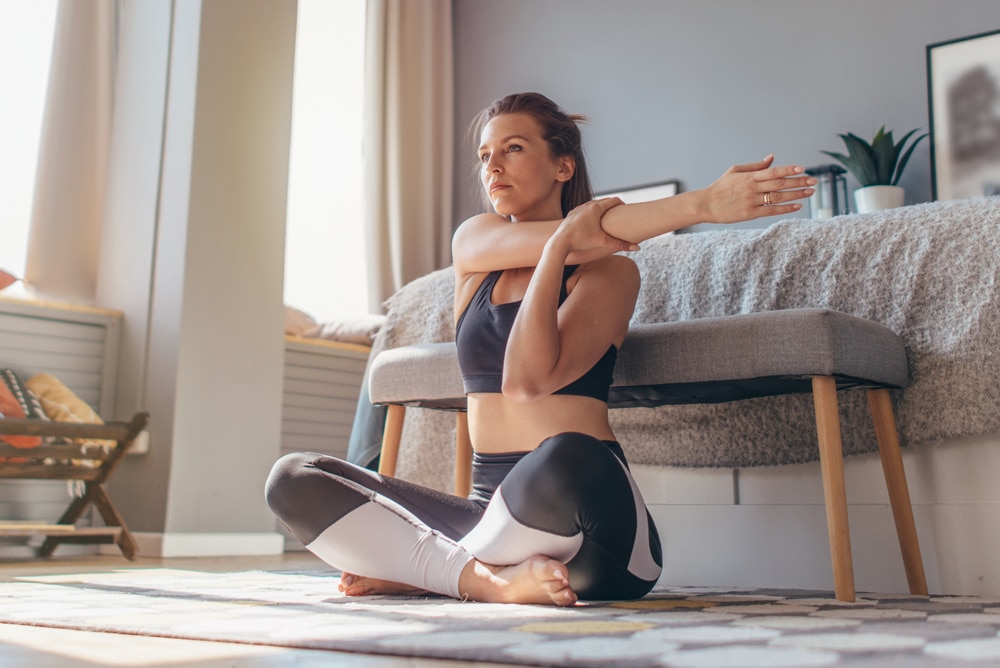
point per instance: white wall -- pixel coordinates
(128, 242)
(684, 88)
(766, 527)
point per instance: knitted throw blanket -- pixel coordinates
(928, 272)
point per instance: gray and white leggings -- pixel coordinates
(571, 499)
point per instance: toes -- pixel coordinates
(555, 580)
(358, 590)
(352, 585)
(553, 573)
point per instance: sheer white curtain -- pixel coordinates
(408, 142)
(64, 240)
(408, 139)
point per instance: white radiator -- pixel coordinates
(321, 386)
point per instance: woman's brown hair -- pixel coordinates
(561, 131)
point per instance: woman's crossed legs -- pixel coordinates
(567, 520)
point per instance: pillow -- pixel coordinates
(361, 330)
(6, 279)
(62, 405)
(17, 401)
(297, 321)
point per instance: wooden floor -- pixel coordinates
(35, 647)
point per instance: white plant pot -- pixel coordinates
(878, 198)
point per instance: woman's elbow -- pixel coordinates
(521, 390)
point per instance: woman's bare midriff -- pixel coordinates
(498, 424)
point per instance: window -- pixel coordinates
(26, 32)
(324, 242)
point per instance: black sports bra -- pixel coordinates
(481, 337)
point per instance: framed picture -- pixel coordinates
(963, 89)
(644, 193)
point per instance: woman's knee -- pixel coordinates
(564, 471)
(308, 493)
(282, 491)
(574, 458)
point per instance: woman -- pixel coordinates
(543, 301)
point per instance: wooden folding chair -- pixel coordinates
(71, 461)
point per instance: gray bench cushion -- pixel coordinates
(709, 360)
(424, 374)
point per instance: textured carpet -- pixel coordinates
(698, 627)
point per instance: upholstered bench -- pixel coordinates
(713, 360)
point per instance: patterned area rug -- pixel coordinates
(696, 627)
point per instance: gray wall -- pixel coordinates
(684, 88)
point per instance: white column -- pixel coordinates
(194, 254)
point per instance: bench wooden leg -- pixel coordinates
(391, 436)
(831, 457)
(393, 433)
(463, 455)
(899, 494)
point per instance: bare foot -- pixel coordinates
(538, 580)
(357, 585)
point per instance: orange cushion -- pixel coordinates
(16, 401)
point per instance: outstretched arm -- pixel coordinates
(489, 242)
(736, 196)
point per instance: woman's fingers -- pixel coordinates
(588, 208)
(754, 166)
(779, 193)
(758, 189)
(784, 174)
(787, 183)
(777, 197)
(775, 210)
(582, 231)
(605, 204)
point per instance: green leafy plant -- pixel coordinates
(879, 163)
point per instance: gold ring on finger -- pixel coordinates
(767, 199)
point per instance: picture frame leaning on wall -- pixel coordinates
(644, 193)
(963, 92)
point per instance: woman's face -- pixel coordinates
(522, 178)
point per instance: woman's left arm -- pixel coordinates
(743, 192)
(550, 345)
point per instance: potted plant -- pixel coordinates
(877, 166)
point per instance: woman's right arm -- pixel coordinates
(490, 242)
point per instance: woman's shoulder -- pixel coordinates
(467, 237)
(481, 220)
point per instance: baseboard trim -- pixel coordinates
(165, 545)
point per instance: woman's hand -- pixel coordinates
(756, 190)
(581, 231)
